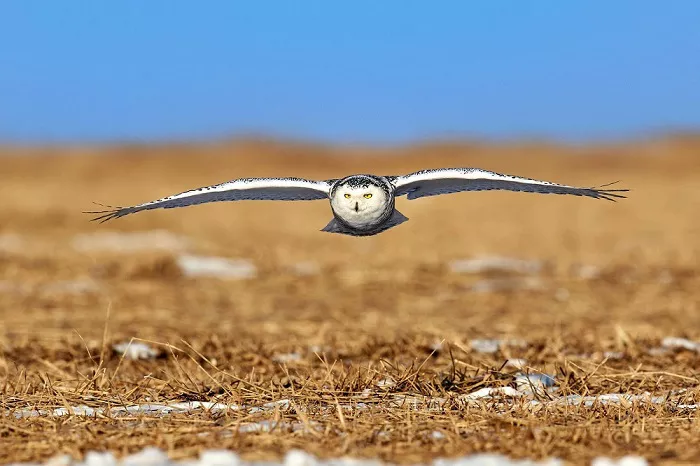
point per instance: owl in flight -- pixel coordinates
(362, 205)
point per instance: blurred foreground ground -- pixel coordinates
(334, 331)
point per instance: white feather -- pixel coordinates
(274, 189)
(452, 180)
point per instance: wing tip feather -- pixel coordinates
(105, 215)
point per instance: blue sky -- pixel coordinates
(347, 71)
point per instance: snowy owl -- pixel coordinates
(362, 205)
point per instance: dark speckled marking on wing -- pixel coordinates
(281, 189)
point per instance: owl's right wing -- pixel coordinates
(273, 189)
(434, 182)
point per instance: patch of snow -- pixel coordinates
(607, 398)
(495, 264)
(515, 363)
(537, 380)
(152, 456)
(130, 242)
(485, 346)
(492, 345)
(149, 456)
(136, 350)
(387, 382)
(147, 408)
(436, 346)
(319, 349)
(300, 458)
(218, 267)
(587, 272)
(286, 357)
(59, 460)
(94, 458)
(219, 458)
(271, 406)
(624, 461)
(684, 343)
(494, 459)
(490, 392)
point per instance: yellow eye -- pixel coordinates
(368, 195)
(347, 196)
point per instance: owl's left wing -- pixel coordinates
(272, 189)
(452, 180)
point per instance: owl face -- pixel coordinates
(360, 202)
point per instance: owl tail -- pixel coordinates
(334, 226)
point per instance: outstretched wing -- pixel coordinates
(273, 189)
(452, 180)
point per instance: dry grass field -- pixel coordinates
(352, 346)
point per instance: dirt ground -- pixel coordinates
(333, 332)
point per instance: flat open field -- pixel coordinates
(367, 347)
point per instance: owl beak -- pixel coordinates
(357, 207)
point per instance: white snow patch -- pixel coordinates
(387, 382)
(94, 458)
(586, 272)
(149, 456)
(286, 357)
(59, 460)
(624, 461)
(136, 350)
(159, 240)
(684, 343)
(515, 363)
(147, 408)
(218, 267)
(623, 399)
(319, 349)
(152, 456)
(492, 345)
(539, 380)
(490, 392)
(494, 459)
(271, 406)
(218, 458)
(495, 264)
(613, 355)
